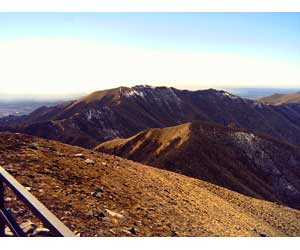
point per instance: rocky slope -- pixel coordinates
(123, 112)
(251, 164)
(101, 195)
(278, 99)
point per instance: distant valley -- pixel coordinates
(19, 108)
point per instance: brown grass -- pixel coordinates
(155, 202)
(278, 99)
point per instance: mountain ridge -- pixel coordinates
(252, 164)
(278, 99)
(123, 112)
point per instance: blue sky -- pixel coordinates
(255, 45)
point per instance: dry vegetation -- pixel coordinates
(248, 163)
(101, 195)
(278, 99)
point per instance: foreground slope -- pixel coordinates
(242, 161)
(123, 112)
(278, 99)
(109, 196)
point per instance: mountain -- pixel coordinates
(96, 194)
(123, 112)
(256, 93)
(278, 99)
(248, 163)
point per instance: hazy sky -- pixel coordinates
(70, 53)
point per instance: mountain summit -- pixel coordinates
(123, 112)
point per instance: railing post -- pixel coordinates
(2, 223)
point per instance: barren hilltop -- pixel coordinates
(96, 194)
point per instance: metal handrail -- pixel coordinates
(56, 227)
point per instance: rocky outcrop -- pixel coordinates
(30, 229)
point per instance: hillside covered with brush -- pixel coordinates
(248, 163)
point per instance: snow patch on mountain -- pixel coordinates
(257, 105)
(159, 95)
(89, 115)
(228, 95)
(242, 137)
(134, 92)
(98, 114)
(92, 113)
(258, 151)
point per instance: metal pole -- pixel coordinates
(2, 223)
(49, 219)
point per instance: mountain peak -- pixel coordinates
(117, 93)
(123, 111)
(99, 95)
